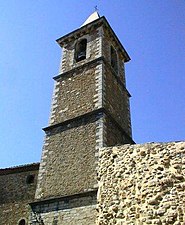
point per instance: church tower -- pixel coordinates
(90, 110)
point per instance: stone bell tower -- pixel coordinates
(90, 110)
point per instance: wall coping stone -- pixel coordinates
(65, 199)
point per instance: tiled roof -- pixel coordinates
(19, 169)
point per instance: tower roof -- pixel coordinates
(91, 18)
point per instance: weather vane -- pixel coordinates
(96, 8)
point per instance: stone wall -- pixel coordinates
(16, 192)
(142, 184)
(75, 94)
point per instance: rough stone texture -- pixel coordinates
(15, 193)
(142, 184)
(68, 163)
(73, 97)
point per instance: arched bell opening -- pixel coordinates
(80, 50)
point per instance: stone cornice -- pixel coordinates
(67, 198)
(77, 68)
(85, 118)
(87, 64)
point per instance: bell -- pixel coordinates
(81, 55)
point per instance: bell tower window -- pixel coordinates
(80, 51)
(114, 60)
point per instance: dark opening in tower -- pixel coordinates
(80, 50)
(114, 60)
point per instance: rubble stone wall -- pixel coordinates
(142, 184)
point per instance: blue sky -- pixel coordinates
(152, 32)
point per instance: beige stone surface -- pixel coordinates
(142, 184)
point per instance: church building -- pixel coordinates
(91, 171)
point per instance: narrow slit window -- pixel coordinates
(114, 60)
(80, 53)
